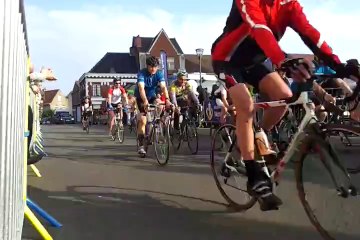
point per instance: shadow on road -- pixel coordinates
(137, 215)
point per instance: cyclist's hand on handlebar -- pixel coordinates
(329, 98)
(299, 69)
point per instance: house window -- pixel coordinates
(96, 90)
(59, 98)
(171, 63)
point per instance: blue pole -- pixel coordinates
(33, 206)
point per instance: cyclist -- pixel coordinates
(221, 97)
(86, 110)
(181, 94)
(145, 92)
(250, 36)
(132, 106)
(116, 95)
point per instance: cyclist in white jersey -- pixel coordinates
(116, 95)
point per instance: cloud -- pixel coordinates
(72, 41)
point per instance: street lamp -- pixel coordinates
(199, 53)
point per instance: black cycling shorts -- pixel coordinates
(251, 75)
(140, 103)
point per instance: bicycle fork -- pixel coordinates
(342, 191)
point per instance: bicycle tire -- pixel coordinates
(333, 127)
(113, 133)
(120, 134)
(192, 125)
(309, 143)
(167, 139)
(87, 128)
(233, 204)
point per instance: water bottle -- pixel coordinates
(262, 142)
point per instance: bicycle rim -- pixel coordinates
(346, 134)
(223, 184)
(87, 129)
(192, 134)
(120, 135)
(315, 144)
(161, 140)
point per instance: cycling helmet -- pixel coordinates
(152, 61)
(182, 74)
(115, 79)
(87, 97)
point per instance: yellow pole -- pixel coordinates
(37, 224)
(35, 170)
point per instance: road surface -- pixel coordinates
(99, 189)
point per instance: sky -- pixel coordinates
(71, 36)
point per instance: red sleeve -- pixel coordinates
(111, 91)
(310, 36)
(253, 15)
(122, 90)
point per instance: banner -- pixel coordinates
(163, 58)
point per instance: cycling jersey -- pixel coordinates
(180, 91)
(116, 94)
(254, 27)
(220, 91)
(86, 107)
(150, 82)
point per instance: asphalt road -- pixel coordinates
(100, 189)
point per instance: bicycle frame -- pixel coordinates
(309, 115)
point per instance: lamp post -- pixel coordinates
(199, 53)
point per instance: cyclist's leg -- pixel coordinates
(141, 123)
(266, 85)
(112, 119)
(258, 181)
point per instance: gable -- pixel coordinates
(49, 96)
(162, 42)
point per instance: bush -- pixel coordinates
(48, 113)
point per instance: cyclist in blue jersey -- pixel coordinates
(148, 80)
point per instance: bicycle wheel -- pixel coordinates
(228, 170)
(192, 138)
(161, 141)
(120, 135)
(316, 195)
(114, 132)
(340, 135)
(87, 128)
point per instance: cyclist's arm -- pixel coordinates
(318, 90)
(110, 96)
(224, 99)
(173, 95)
(161, 80)
(141, 86)
(192, 94)
(253, 16)
(124, 96)
(164, 89)
(311, 37)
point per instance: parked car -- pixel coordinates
(63, 117)
(45, 120)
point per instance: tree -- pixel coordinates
(48, 113)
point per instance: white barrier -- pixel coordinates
(13, 73)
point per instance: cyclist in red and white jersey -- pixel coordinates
(253, 29)
(116, 95)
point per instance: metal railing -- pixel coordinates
(13, 116)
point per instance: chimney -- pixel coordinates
(137, 41)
